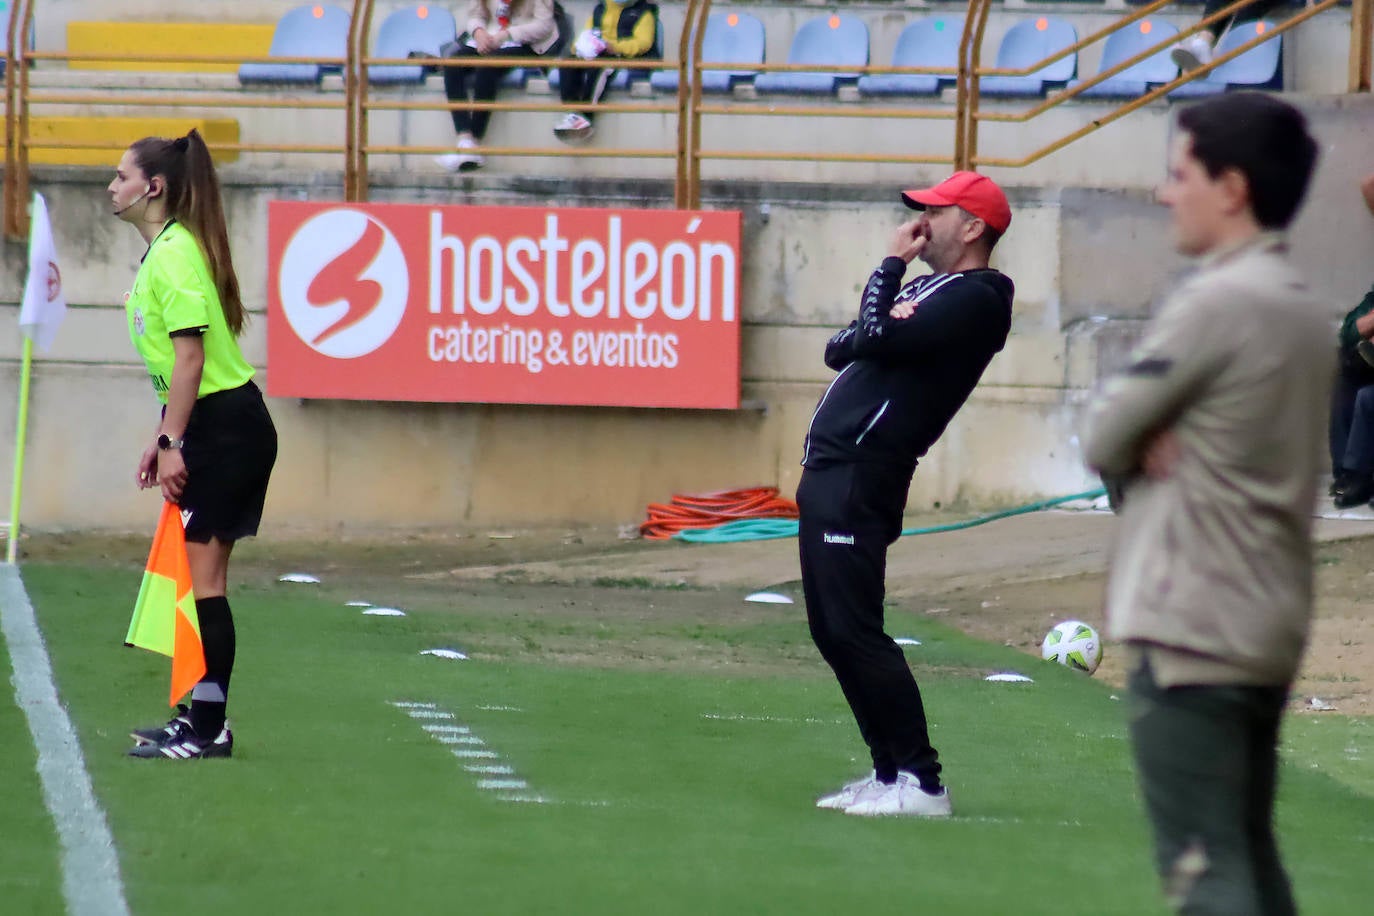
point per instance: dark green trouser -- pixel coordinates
(1207, 760)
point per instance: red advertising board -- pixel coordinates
(517, 305)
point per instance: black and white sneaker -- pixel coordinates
(156, 733)
(185, 744)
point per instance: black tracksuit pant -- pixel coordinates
(850, 515)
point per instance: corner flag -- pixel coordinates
(165, 618)
(44, 305)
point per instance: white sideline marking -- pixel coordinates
(527, 799)
(738, 718)
(91, 883)
(464, 745)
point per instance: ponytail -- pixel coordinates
(193, 199)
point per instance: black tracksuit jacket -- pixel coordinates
(901, 381)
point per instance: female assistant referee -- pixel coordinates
(214, 446)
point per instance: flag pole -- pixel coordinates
(21, 427)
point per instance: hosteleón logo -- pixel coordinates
(344, 283)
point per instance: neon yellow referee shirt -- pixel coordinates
(175, 291)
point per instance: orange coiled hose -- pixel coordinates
(707, 510)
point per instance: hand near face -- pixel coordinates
(909, 240)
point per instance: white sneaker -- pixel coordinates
(574, 128)
(903, 798)
(846, 796)
(465, 160)
(1192, 52)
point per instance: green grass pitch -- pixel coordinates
(674, 760)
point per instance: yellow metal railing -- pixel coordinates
(355, 145)
(974, 160)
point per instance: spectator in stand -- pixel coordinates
(1352, 401)
(499, 28)
(1196, 50)
(614, 30)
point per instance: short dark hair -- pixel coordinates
(1263, 138)
(990, 236)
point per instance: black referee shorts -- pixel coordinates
(230, 448)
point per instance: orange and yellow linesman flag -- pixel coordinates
(165, 614)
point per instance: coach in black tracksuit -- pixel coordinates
(906, 365)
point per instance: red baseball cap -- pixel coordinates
(978, 194)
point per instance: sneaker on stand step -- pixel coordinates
(1193, 52)
(845, 796)
(574, 128)
(465, 160)
(903, 798)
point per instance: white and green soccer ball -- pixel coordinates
(1073, 644)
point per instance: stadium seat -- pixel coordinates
(1029, 42)
(731, 38)
(306, 31)
(1259, 68)
(835, 40)
(932, 42)
(5, 34)
(416, 28)
(1135, 80)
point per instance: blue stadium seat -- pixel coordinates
(1259, 68)
(731, 38)
(415, 28)
(5, 34)
(1135, 80)
(306, 31)
(1028, 42)
(932, 42)
(834, 40)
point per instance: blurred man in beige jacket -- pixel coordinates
(1216, 426)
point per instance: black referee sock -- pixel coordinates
(211, 695)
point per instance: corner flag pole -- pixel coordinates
(21, 427)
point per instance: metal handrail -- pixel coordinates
(1126, 108)
(688, 107)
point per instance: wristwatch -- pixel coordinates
(165, 442)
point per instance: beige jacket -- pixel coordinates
(1212, 568)
(531, 21)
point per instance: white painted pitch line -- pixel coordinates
(784, 719)
(91, 882)
(496, 776)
